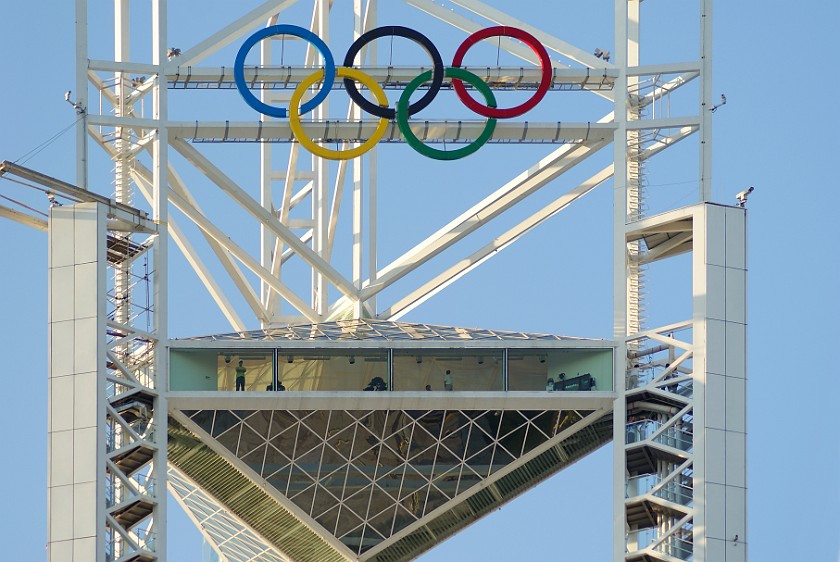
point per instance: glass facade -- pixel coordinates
(365, 475)
(399, 369)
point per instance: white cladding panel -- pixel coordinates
(77, 291)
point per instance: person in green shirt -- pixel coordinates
(240, 376)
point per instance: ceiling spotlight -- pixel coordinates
(352, 360)
(419, 359)
(172, 52)
(481, 360)
(542, 358)
(290, 359)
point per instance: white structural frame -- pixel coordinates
(680, 398)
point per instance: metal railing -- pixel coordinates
(677, 437)
(678, 490)
(678, 545)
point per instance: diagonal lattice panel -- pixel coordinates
(365, 476)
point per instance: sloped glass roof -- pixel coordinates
(380, 330)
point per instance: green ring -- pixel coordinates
(425, 150)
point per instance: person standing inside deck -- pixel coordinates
(240, 376)
(447, 380)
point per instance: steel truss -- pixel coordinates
(660, 483)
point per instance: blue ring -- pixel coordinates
(297, 31)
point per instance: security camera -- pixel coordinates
(67, 95)
(742, 197)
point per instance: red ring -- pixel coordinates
(503, 31)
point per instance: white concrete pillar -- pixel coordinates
(720, 271)
(76, 446)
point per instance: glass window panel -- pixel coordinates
(192, 369)
(501, 458)
(331, 460)
(343, 441)
(311, 460)
(304, 499)
(467, 480)
(362, 443)
(280, 479)
(391, 482)
(329, 519)
(380, 501)
(359, 501)
(399, 442)
(255, 459)
(281, 421)
(560, 369)
(306, 441)
(274, 461)
(244, 370)
(403, 519)
(260, 422)
(335, 481)
(340, 421)
(463, 369)
(435, 499)
(312, 370)
(224, 421)
(204, 419)
(384, 521)
(347, 521)
(414, 501)
(317, 422)
(248, 441)
(448, 483)
(299, 480)
(323, 501)
(356, 480)
(230, 438)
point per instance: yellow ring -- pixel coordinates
(323, 152)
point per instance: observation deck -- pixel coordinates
(374, 440)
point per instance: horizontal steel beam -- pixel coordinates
(390, 77)
(451, 132)
(409, 400)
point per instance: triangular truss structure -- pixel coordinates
(381, 484)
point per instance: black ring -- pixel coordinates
(398, 31)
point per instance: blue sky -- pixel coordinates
(778, 132)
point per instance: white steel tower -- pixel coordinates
(124, 397)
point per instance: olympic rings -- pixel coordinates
(403, 112)
(404, 109)
(503, 31)
(305, 34)
(398, 31)
(318, 150)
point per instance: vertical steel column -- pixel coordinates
(81, 93)
(706, 101)
(372, 14)
(358, 175)
(620, 263)
(122, 147)
(320, 189)
(160, 213)
(267, 239)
